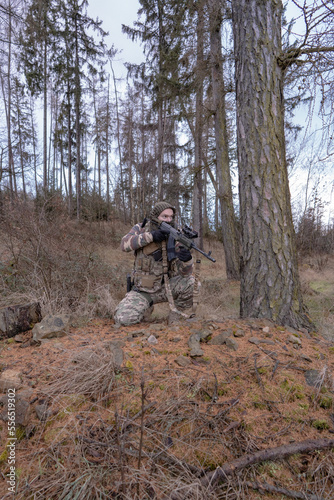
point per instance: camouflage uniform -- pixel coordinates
(149, 287)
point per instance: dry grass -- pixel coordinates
(56, 261)
(153, 432)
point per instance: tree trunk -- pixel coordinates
(198, 180)
(77, 120)
(225, 195)
(45, 122)
(107, 149)
(270, 286)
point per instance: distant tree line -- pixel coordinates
(218, 90)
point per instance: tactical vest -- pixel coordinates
(148, 267)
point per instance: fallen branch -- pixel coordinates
(262, 487)
(221, 474)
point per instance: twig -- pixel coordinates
(258, 378)
(282, 491)
(274, 369)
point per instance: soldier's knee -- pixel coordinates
(131, 309)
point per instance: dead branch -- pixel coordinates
(262, 487)
(222, 473)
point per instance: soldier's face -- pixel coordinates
(166, 215)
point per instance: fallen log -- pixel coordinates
(221, 474)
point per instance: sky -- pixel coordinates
(114, 13)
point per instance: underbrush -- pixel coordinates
(161, 433)
(56, 261)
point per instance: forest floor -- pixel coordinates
(160, 423)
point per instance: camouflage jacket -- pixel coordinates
(148, 267)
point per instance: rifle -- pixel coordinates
(184, 237)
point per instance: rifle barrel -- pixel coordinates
(205, 254)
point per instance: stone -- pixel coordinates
(52, 326)
(117, 353)
(194, 340)
(175, 317)
(152, 340)
(19, 318)
(42, 412)
(182, 361)
(254, 340)
(196, 351)
(266, 341)
(266, 329)
(221, 338)
(231, 343)
(312, 377)
(239, 333)
(19, 338)
(294, 340)
(21, 410)
(10, 379)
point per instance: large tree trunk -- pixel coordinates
(224, 184)
(270, 285)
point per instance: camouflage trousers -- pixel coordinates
(132, 308)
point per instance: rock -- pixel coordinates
(117, 352)
(152, 340)
(266, 329)
(294, 340)
(221, 338)
(42, 412)
(51, 327)
(292, 330)
(21, 410)
(196, 351)
(306, 358)
(312, 377)
(239, 333)
(175, 317)
(194, 340)
(10, 379)
(254, 340)
(19, 318)
(137, 333)
(231, 343)
(266, 341)
(182, 361)
(19, 338)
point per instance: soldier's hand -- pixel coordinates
(184, 254)
(159, 235)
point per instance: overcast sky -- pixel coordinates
(114, 13)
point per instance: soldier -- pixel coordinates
(146, 241)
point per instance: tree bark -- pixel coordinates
(229, 233)
(270, 286)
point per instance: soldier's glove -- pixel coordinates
(159, 236)
(184, 255)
